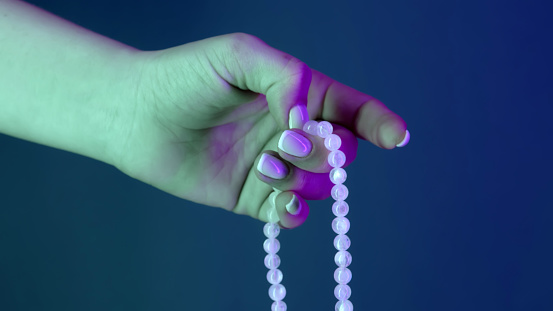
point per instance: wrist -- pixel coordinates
(117, 107)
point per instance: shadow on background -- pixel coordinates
(460, 219)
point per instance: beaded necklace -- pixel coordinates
(340, 225)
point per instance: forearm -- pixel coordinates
(60, 84)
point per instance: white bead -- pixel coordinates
(324, 129)
(339, 192)
(271, 230)
(277, 292)
(338, 175)
(342, 292)
(342, 259)
(340, 225)
(274, 276)
(278, 306)
(310, 127)
(272, 261)
(271, 246)
(336, 158)
(342, 275)
(340, 208)
(342, 242)
(344, 305)
(333, 142)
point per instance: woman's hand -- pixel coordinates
(200, 125)
(190, 120)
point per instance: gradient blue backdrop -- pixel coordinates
(460, 219)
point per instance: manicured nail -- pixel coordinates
(273, 195)
(272, 198)
(293, 207)
(272, 167)
(405, 140)
(272, 215)
(298, 116)
(294, 144)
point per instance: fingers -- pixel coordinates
(250, 64)
(292, 210)
(299, 169)
(362, 114)
(280, 174)
(301, 164)
(308, 152)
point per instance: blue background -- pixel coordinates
(460, 219)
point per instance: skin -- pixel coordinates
(191, 120)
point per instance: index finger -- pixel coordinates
(362, 114)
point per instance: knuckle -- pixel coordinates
(240, 40)
(239, 49)
(297, 70)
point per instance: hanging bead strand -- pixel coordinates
(277, 291)
(340, 208)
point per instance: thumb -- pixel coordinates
(251, 64)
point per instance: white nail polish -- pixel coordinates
(293, 207)
(298, 116)
(272, 214)
(272, 167)
(294, 144)
(272, 198)
(405, 139)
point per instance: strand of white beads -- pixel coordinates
(340, 208)
(277, 291)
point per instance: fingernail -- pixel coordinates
(293, 207)
(272, 167)
(294, 144)
(272, 199)
(405, 139)
(272, 215)
(298, 116)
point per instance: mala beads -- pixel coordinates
(277, 291)
(340, 209)
(340, 225)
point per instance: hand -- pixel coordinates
(201, 124)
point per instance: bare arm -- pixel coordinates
(60, 84)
